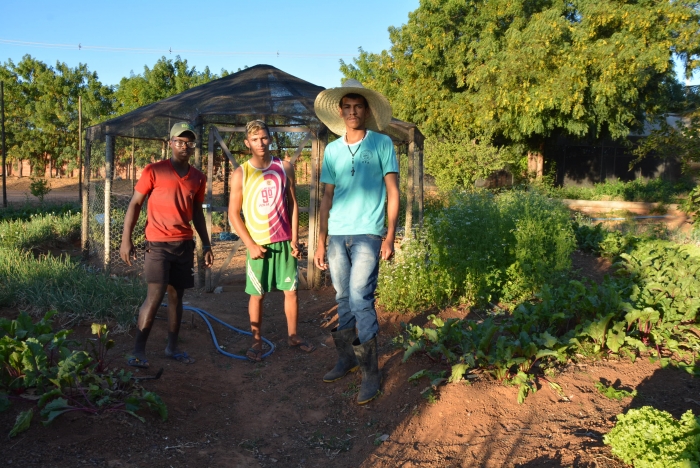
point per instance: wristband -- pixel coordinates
(206, 247)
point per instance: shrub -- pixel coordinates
(413, 280)
(480, 248)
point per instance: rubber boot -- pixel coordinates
(371, 377)
(347, 362)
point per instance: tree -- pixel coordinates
(43, 110)
(677, 140)
(165, 79)
(515, 72)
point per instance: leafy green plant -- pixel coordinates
(63, 379)
(691, 204)
(650, 438)
(614, 394)
(650, 305)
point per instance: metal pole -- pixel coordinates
(203, 276)
(109, 161)
(4, 148)
(80, 149)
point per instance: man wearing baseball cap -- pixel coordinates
(360, 173)
(175, 192)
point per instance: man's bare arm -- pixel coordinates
(391, 180)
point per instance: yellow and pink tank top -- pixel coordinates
(264, 203)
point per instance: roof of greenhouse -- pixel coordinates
(259, 92)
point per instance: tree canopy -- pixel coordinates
(165, 79)
(41, 105)
(516, 71)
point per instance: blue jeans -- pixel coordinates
(354, 265)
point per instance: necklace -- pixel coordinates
(353, 153)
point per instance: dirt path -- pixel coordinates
(230, 413)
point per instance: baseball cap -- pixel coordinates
(182, 127)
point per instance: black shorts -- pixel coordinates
(170, 263)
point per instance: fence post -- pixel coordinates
(318, 146)
(85, 227)
(4, 148)
(410, 183)
(420, 178)
(109, 163)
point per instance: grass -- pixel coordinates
(42, 283)
(39, 229)
(25, 212)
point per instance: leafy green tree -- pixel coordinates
(518, 72)
(165, 79)
(43, 110)
(679, 139)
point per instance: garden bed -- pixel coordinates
(225, 412)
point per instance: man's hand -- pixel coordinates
(208, 258)
(126, 251)
(387, 249)
(257, 252)
(296, 251)
(320, 257)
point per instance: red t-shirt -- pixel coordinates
(171, 200)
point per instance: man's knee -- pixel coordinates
(257, 298)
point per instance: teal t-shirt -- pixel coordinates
(359, 196)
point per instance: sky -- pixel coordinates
(304, 38)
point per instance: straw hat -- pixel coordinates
(327, 107)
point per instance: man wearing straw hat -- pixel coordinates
(360, 173)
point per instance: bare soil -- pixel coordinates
(225, 412)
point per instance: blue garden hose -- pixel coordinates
(206, 316)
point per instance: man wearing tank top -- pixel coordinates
(264, 188)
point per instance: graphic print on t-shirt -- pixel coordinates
(264, 206)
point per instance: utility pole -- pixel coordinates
(4, 148)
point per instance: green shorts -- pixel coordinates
(277, 271)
